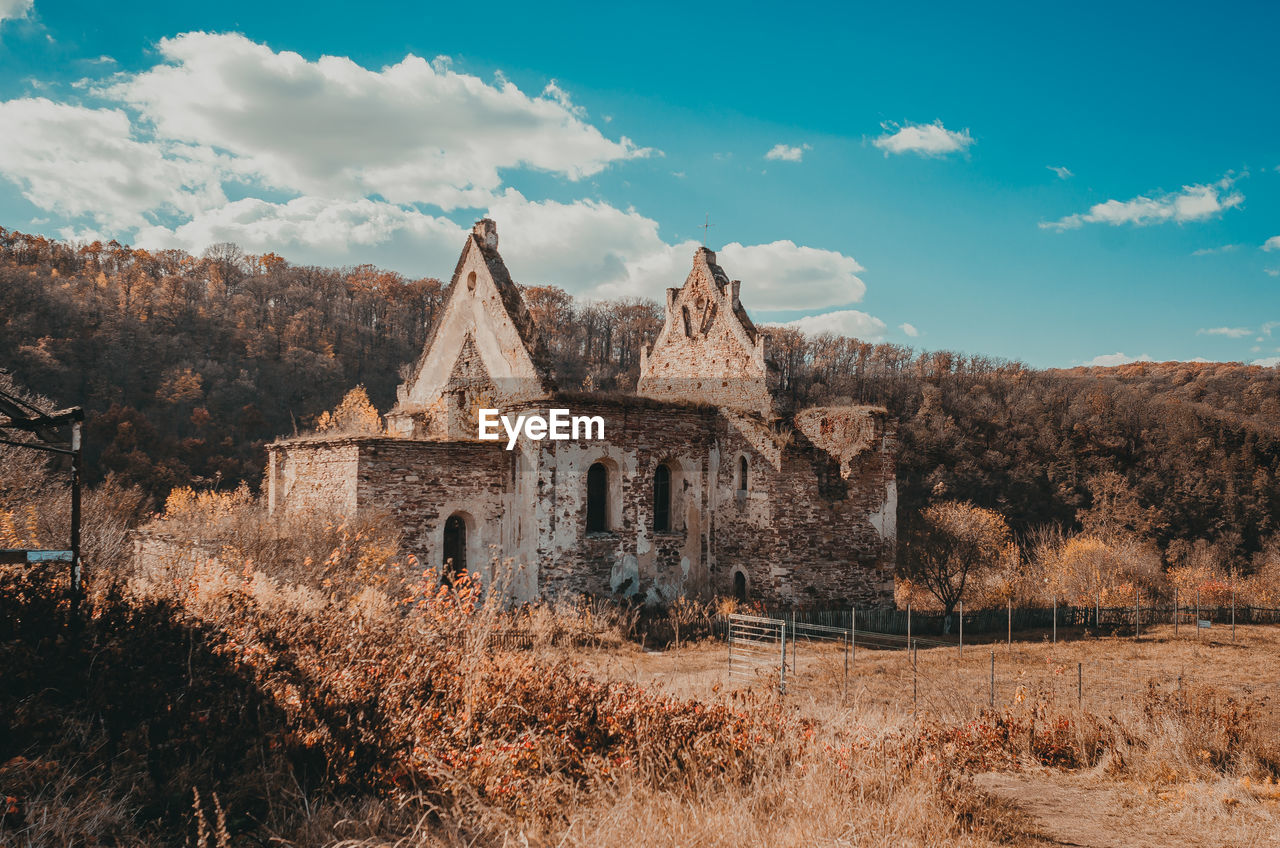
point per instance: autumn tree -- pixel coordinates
(1086, 569)
(354, 416)
(951, 545)
(1116, 510)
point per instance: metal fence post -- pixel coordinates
(793, 644)
(993, 680)
(1233, 606)
(1137, 614)
(782, 680)
(853, 639)
(845, 693)
(77, 570)
(1175, 610)
(1011, 624)
(915, 686)
(908, 626)
(1079, 684)
(961, 629)
(1055, 619)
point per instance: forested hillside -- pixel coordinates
(188, 365)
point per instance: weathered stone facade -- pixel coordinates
(700, 487)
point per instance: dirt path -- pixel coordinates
(1082, 812)
(1067, 814)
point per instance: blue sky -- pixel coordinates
(1060, 185)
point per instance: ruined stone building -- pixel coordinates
(703, 484)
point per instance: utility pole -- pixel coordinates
(77, 571)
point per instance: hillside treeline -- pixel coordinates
(189, 365)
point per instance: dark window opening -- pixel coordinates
(455, 548)
(740, 585)
(597, 499)
(662, 499)
(743, 471)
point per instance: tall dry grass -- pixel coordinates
(253, 694)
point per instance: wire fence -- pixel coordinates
(907, 622)
(811, 653)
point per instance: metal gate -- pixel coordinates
(757, 651)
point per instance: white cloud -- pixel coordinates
(344, 164)
(909, 330)
(1229, 332)
(1192, 203)
(785, 275)
(80, 161)
(599, 251)
(1111, 359)
(1063, 172)
(1271, 244)
(842, 322)
(1267, 362)
(784, 153)
(924, 139)
(1210, 251)
(412, 131)
(312, 230)
(1267, 327)
(14, 10)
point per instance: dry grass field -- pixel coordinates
(214, 705)
(1083, 678)
(1097, 673)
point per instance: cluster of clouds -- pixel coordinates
(226, 139)
(1262, 336)
(1192, 203)
(327, 161)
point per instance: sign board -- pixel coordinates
(1203, 623)
(10, 555)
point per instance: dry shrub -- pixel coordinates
(1193, 734)
(354, 416)
(233, 530)
(1084, 570)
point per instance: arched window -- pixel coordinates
(598, 498)
(455, 548)
(743, 471)
(740, 585)
(661, 499)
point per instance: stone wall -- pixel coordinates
(313, 475)
(814, 526)
(812, 529)
(423, 483)
(631, 559)
(707, 350)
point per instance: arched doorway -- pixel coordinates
(455, 548)
(739, 586)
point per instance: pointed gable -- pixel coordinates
(708, 349)
(483, 347)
